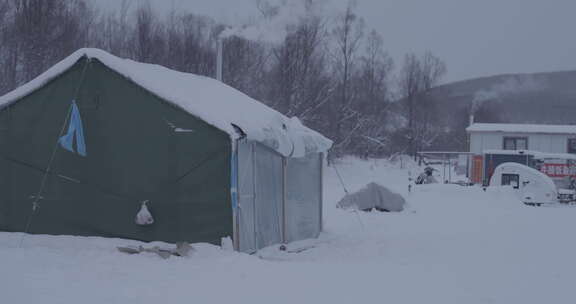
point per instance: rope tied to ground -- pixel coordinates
(38, 196)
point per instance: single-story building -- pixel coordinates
(495, 143)
(542, 138)
(96, 139)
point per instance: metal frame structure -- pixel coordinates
(446, 158)
(247, 220)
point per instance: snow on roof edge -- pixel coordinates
(40, 80)
(220, 106)
(522, 128)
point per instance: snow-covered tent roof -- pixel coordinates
(522, 128)
(208, 99)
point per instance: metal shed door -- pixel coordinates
(268, 184)
(303, 197)
(246, 222)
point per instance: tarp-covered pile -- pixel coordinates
(373, 196)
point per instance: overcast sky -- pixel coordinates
(474, 37)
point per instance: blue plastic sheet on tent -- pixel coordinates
(75, 131)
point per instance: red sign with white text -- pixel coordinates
(558, 170)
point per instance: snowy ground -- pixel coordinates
(453, 245)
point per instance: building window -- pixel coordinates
(515, 143)
(511, 180)
(572, 145)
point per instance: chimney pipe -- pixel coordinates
(219, 46)
(471, 119)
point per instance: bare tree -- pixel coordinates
(376, 69)
(373, 90)
(36, 34)
(244, 65)
(148, 34)
(8, 47)
(348, 32)
(417, 77)
(299, 67)
(38, 26)
(113, 30)
(198, 41)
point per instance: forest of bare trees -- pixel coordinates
(332, 72)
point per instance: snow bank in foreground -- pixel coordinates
(212, 101)
(451, 245)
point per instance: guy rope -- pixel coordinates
(38, 197)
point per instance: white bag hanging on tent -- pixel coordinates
(144, 217)
(226, 244)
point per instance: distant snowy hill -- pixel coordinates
(543, 98)
(518, 98)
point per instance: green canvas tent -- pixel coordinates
(210, 161)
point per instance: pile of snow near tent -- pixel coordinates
(373, 196)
